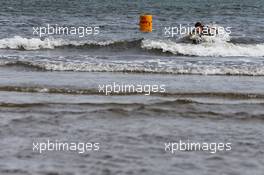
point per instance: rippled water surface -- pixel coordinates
(49, 88)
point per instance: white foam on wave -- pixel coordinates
(217, 49)
(18, 42)
(145, 67)
(181, 69)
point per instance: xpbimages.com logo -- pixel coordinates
(80, 31)
(205, 30)
(80, 147)
(116, 88)
(173, 147)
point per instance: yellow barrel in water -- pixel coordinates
(145, 23)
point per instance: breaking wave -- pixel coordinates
(143, 66)
(208, 49)
(222, 49)
(20, 43)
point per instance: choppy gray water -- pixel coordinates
(49, 88)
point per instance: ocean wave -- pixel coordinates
(112, 104)
(94, 91)
(143, 66)
(208, 49)
(222, 49)
(199, 109)
(20, 43)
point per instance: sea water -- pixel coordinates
(49, 88)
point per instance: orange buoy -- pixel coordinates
(145, 23)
